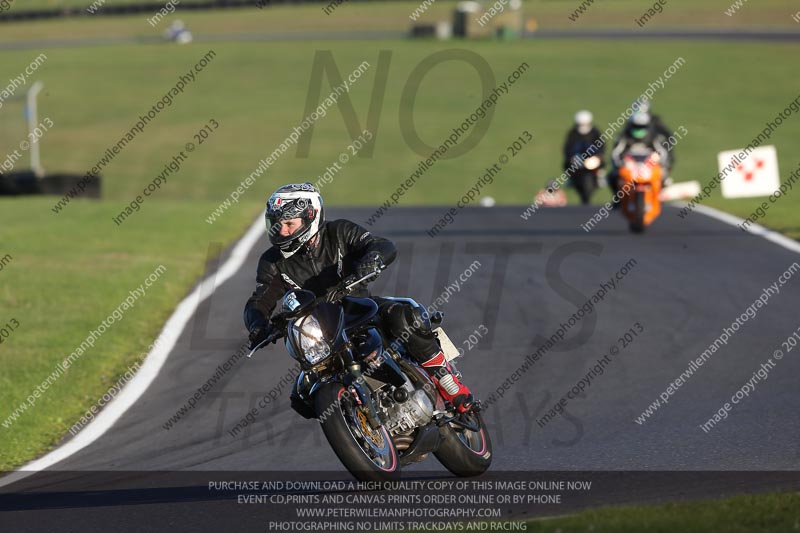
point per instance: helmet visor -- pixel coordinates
(281, 209)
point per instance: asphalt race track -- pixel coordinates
(682, 282)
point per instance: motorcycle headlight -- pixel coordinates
(592, 163)
(308, 336)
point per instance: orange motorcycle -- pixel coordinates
(640, 185)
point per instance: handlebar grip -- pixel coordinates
(275, 336)
(271, 338)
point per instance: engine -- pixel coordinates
(415, 411)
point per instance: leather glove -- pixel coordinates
(259, 333)
(371, 262)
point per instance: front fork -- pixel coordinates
(353, 381)
(357, 385)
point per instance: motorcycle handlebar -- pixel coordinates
(271, 338)
(369, 276)
(344, 288)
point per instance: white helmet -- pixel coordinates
(296, 200)
(583, 120)
(640, 118)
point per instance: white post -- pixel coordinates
(33, 123)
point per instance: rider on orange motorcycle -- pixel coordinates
(640, 132)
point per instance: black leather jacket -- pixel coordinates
(577, 144)
(653, 140)
(338, 247)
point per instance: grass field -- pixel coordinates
(95, 95)
(770, 513)
(70, 270)
(64, 279)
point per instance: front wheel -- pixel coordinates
(584, 183)
(638, 225)
(369, 454)
(465, 452)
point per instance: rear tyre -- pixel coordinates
(464, 452)
(368, 454)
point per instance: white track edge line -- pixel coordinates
(152, 365)
(754, 229)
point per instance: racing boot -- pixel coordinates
(448, 383)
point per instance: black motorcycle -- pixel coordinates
(378, 408)
(584, 177)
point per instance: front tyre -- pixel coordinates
(368, 454)
(585, 186)
(465, 452)
(638, 225)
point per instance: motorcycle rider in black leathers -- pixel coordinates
(580, 138)
(660, 128)
(311, 253)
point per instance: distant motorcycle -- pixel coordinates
(640, 184)
(584, 177)
(378, 408)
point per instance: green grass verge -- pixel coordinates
(65, 277)
(764, 513)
